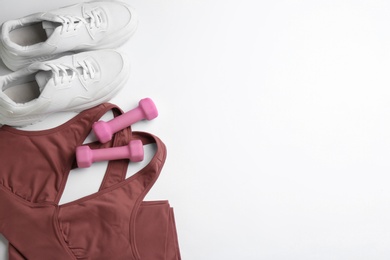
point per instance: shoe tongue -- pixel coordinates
(42, 77)
(49, 27)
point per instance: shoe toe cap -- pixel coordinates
(112, 64)
(121, 17)
(114, 70)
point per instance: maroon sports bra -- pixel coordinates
(113, 223)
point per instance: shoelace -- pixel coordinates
(70, 23)
(60, 71)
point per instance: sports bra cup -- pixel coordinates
(49, 153)
(99, 217)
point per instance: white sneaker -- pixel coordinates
(79, 27)
(70, 83)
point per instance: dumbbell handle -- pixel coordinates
(114, 153)
(126, 119)
(133, 151)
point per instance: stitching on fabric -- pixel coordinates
(24, 201)
(60, 236)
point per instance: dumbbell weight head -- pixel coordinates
(148, 108)
(136, 150)
(102, 131)
(84, 156)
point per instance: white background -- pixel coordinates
(276, 115)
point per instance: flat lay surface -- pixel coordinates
(276, 118)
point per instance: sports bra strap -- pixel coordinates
(117, 169)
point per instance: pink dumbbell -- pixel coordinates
(86, 156)
(104, 130)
